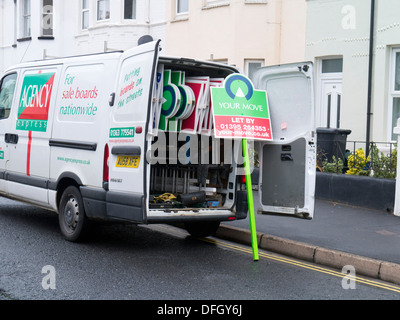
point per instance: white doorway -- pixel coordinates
(331, 97)
(329, 94)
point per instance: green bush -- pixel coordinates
(383, 166)
(336, 166)
(377, 164)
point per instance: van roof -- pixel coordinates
(61, 60)
(189, 65)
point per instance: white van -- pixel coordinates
(82, 136)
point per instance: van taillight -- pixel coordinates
(105, 164)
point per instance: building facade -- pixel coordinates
(245, 33)
(356, 90)
(41, 29)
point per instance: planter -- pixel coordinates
(361, 191)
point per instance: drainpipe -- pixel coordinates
(370, 72)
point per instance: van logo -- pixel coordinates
(33, 109)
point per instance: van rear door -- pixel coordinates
(129, 123)
(288, 163)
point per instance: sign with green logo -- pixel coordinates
(34, 103)
(240, 111)
(1, 155)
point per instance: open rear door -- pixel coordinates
(288, 163)
(129, 121)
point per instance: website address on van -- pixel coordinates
(76, 161)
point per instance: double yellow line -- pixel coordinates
(358, 279)
(372, 283)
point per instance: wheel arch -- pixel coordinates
(64, 181)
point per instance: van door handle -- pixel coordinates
(286, 157)
(11, 138)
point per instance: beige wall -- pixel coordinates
(272, 30)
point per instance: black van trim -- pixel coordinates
(24, 179)
(70, 144)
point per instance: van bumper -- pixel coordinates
(108, 205)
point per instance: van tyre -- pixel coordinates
(202, 229)
(72, 218)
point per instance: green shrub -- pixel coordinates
(336, 166)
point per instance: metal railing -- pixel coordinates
(350, 158)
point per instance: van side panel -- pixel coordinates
(80, 120)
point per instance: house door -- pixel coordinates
(331, 100)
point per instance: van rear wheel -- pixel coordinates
(202, 229)
(72, 218)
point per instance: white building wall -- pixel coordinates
(342, 28)
(115, 33)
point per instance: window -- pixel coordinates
(85, 14)
(130, 9)
(103, 10)
(251, 66)
(26, 18)
(7, 86)
(397, 72)
(47, 18)
(332, 65)
(395, 92)
(182, 6)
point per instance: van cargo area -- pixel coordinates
(194, 174)
(176, 187)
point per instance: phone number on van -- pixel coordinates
(122, 132)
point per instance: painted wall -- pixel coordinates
(272, 30)
(342, 28)
(69, 38)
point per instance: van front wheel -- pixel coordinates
(72, 218)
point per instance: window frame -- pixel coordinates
(182, 13)
(84, 10)
(43, 16)
(98, 19)
(247, 63)
(26, 17)
(393, 93)
(134, 5)
(13, 94)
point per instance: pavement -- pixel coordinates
(337, 236)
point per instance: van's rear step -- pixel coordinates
(184, 215)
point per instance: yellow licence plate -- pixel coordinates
(128, 162)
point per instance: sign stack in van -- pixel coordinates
(129, 136)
